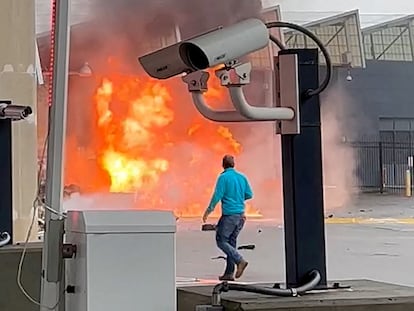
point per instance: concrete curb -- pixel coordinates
(368, 221)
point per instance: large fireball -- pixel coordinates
(150, 142)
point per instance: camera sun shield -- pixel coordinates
(164, 63)
(210, 49)
(225, 44)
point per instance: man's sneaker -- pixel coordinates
(241, 266)
(226, 277)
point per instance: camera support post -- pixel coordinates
(303, 203)
(6, 190)
(8, 114)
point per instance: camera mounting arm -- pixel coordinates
(197, 85)
(234, 78)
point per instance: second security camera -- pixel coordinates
(208, 50)
(13, 112)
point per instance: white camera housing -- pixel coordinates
(214, 48)
(225, 44)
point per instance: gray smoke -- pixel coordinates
(122, 30)
(338, 157)
(126, 27)
(155, 16)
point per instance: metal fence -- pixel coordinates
(382, 166)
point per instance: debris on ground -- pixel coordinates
(249, 247)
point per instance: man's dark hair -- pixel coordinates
(228, 161)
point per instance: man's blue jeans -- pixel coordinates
(227, 231)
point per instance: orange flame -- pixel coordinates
(151, 144)
(147, 111)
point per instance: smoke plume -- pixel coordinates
(115, 35)
(156, 16)
(338, 157)
(133, 27)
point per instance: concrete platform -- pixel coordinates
(364, 295)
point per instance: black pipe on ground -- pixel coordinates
(314, 278)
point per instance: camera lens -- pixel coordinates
(27, 111)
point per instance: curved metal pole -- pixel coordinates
(321, 46)
(216, 115)
(257, 113)
(4, 238)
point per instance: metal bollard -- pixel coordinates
(408, 183)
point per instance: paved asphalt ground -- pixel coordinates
(376, 206)
(380, 249)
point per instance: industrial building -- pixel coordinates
(375, 82)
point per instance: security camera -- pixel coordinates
(14, 112)
(217, 47)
